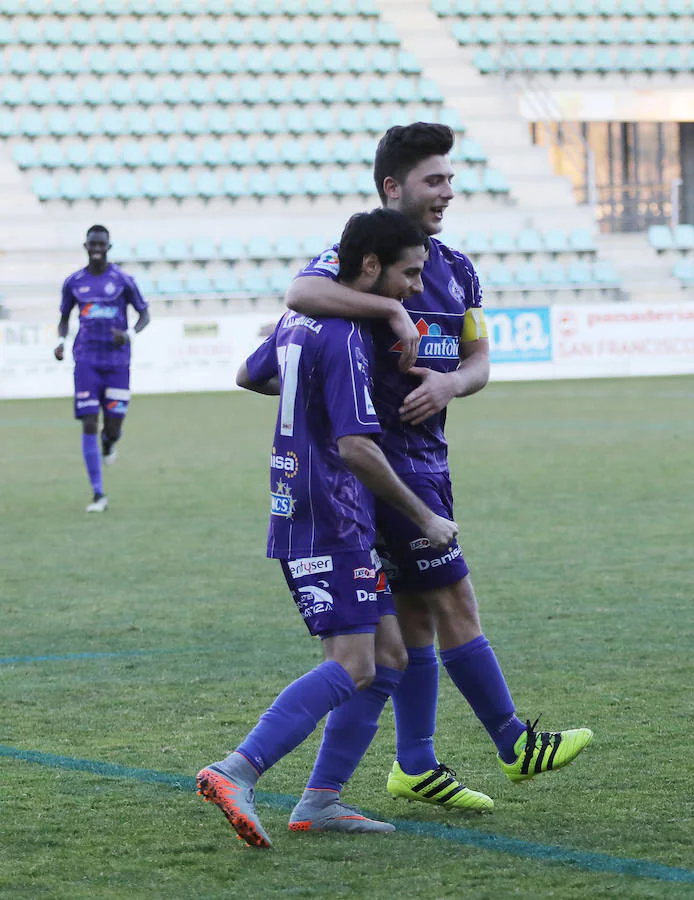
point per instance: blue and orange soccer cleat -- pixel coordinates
(324, 811)
(237, 801)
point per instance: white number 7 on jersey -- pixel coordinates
(288, 358)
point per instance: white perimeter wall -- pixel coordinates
(203, 354)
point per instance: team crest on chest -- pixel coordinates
(456, 291)
(110, 288)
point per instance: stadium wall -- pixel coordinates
(542, 342)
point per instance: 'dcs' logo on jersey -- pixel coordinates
(433, 344)
(456, 291)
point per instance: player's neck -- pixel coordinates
(97, 269)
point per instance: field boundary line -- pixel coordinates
(497, 843)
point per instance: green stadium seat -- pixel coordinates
(239, 153)
(133, 155)
(45, 188)
(231, 248)
(198, 284)
(315, 184)
(48, 62)
(152, 186)
(199, 91)
(660, 238)
(528, 241)
(499, 275)
(318, 153)
(579, 274)
(582, 241)
(679, 8)
(126, 187)
(552, 274)
(486, 62)
(78, 155)
(683, 270)
(475, 243)
(98, 187)
(468, 181)
(175, 250)
(207, 185)
(180, 186)
(683, 237)
(234, 185)
(9, 126)
(25, 156)
(604, 273)
(106, 156)
(495, 182)
(226, 284)
(170, 285)
(261, 185)
(527, 275)
(555, 241)
(255, 283)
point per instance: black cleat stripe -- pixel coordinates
(557, 741)
(450, 794)
(426, 782)
(544, 737)
(439, 787)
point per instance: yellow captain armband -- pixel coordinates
(474, 325)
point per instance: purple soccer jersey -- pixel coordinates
(102, 301)
(317, 505)
(451, 286)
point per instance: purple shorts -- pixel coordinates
(409, 562)
(97, 387)
(340, 593)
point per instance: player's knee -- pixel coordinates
(112, 427)
(394, 656)
(361, 671)
(90, 424)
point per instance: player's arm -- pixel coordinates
(135, 299)
(63, 328)
(438, 388)
(315, 295)
(269, 386)
(362, 456)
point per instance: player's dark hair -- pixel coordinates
(403, 147)
(383, 232)
(98, 228)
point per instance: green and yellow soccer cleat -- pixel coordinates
(544, 751)
(438, 786)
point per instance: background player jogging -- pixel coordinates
(433, 591)
(323, 465)
(101, 292)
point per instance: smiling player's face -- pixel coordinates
(425, 193)
(97, 247)
(404, 277)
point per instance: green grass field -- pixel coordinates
(171, 633)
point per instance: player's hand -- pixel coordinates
(404, 328)
(59, 352)
(434, 394)
(440, 532)
(120, 338)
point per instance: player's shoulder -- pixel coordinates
(75, 276)
(117, 272)
(455, 258)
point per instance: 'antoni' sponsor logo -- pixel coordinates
(363, 572)
(434, 344)
(420, 544)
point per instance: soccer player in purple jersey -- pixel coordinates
(433, 591)
(324, 465)
(101, 292)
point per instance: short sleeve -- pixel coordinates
(133, 295)
(262, 364)
(345, 370)
(67, 300)
(326, 265)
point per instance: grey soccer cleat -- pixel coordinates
(324, 811)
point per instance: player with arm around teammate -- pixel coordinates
(101, 292)
(433, 591)
(324, 465)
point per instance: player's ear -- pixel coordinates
(370, 265)
(391, 188)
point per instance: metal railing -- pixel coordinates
(633, 207)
